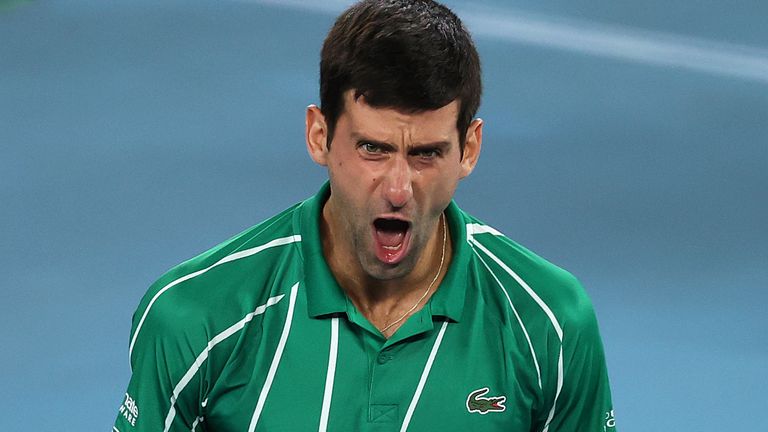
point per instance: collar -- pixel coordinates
(326, 298)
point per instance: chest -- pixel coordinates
(330, 374)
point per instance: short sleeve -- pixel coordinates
(584, 403)
(165, 386)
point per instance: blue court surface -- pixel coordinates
(625, 141)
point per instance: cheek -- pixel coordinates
(346, 165)
(350, 185)
(441, 182)
(437, 192)
(443, 197)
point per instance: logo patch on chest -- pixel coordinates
(483, 405)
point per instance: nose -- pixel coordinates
(398, 189)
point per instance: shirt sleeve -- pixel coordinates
(584, 402)
(165, 386)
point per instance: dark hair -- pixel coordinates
(411, 55)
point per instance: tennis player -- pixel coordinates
(377, 304)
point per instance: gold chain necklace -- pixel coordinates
(429, 288)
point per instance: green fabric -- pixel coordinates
(239, 338)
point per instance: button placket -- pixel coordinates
(384, 357)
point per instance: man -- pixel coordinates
(377, 304)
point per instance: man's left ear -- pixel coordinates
(472, 144)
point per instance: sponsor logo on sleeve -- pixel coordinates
(130, 410)
(610, 421)
(477, 403)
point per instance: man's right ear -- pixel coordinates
(316, 135)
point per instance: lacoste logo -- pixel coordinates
(479, 404)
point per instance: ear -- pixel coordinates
(472, 145)
(316, 135)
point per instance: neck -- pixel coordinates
(383, 301)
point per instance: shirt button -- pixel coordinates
(384, 357)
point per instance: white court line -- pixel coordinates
(593, 38)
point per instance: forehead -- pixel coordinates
(382, 122)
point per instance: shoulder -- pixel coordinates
(539, 287)
(549, 306)
(205, 294)
(273, 232)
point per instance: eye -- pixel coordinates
(370, 147)
(428, 154)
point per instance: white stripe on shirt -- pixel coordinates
(229, 258)
(203, 356)
(275, 360)
(328, 394)
(558, 329)
(423, 379)
(519, 320)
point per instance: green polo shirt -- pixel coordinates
(255, 334)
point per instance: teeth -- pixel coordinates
(392, 248)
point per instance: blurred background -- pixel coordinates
(625, 141)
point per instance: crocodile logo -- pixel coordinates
(479, 404)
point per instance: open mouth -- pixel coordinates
(392, 237)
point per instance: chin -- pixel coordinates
(381, 271)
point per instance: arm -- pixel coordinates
(584, 403)
(165, 385)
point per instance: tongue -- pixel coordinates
(390, 238)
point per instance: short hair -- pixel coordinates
(410, 55)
